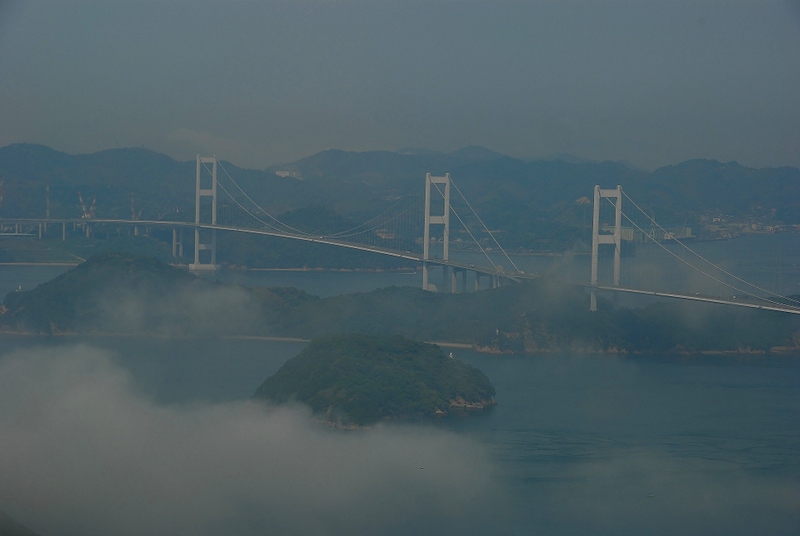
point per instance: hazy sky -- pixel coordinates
(259, 83)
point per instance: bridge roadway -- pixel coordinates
(407, 255)
(699, 298)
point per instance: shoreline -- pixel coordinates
(446, 344)
(235, 268)
(76, 335)
(774, 351)
(54, 263)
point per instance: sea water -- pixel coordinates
(579, 444)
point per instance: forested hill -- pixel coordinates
(115, 293)
(357, 379)
(107, 293)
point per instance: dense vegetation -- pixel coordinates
(119, 293)
(84, 299)
(537, 316)
(357, 379)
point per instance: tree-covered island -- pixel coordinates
(360, 380)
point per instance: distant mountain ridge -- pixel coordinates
(387, 166)
(528, 198)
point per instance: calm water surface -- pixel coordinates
(581, 444)
(646, 445)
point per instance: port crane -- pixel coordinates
(87, 214)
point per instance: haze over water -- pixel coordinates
(578, 444)
(126, 436)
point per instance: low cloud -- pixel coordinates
(194, 309)
(84, 452)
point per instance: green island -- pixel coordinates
(357, 380)
(118, 294)
(93, 296)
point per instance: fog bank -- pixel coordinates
(84, 452)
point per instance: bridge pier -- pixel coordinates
(454, 279)
(177, 242)
(455, 287)
(426, 282)
(210, 246)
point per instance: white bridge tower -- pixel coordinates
(443, 220)
(202, 218)
(598, 238)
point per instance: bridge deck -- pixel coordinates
(407, 255)
(699, 298)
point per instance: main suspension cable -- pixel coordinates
(276, 220)
(467, 229)
(687, 263)
(484, 226)
(701, 257)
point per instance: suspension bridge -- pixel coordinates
(222, 205)
(418, 229)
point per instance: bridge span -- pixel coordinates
(252, 219)
(698, 298)
(459, 268)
